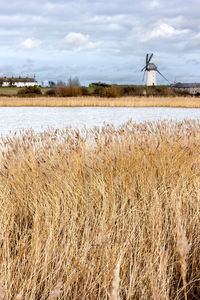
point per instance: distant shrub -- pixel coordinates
(51, 92)
(68, 91)
(65, 91)
(149, 91)
(100, 91)
(102, 84)
(85, 91)
(29, 91)
(113, 92)
(128, 91)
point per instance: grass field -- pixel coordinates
(8, 91)
(12, 91)
(98, 101)
(101, 214)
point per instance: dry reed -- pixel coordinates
(183, 248)
(192, 102)
(56, 292)
(2, 291)
(72, 202)
(19, 296)
(116, 282)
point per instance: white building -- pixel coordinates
(191, 88)
(17, 82)
(151, 74)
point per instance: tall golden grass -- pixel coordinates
(98, 101)
(101, 214)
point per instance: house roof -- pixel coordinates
(186, 85)
(13, 79)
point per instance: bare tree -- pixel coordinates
(73, 81)
(61, 83)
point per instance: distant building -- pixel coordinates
(17, 82)
(191, 88)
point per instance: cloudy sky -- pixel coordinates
(99, 40)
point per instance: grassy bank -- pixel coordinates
(99, 101)
(13, 91)
(110, 214)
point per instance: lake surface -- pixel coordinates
(40, 118)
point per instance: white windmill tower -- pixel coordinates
(151, 69)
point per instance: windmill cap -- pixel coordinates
(151, 66)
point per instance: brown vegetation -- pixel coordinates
(101, 214)
(193, 102)
(110, 92)
(114, 91)
(151, 91)
(65, 91)
(105, 90)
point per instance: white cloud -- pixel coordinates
(114, 26)
(7, 32)
(193, 42)
(78, 41)
(154, 4)
(196, 36)
(30, 43)
(107, 19)
(76, 68)
(164, 31)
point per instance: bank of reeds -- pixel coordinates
(101, 214)
(189, 102)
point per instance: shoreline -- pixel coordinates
(182, 102)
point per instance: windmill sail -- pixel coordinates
(163, 76)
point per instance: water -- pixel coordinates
(40, 118)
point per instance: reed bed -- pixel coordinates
(192, 102)
(109, 213)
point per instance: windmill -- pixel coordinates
(151, 69)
